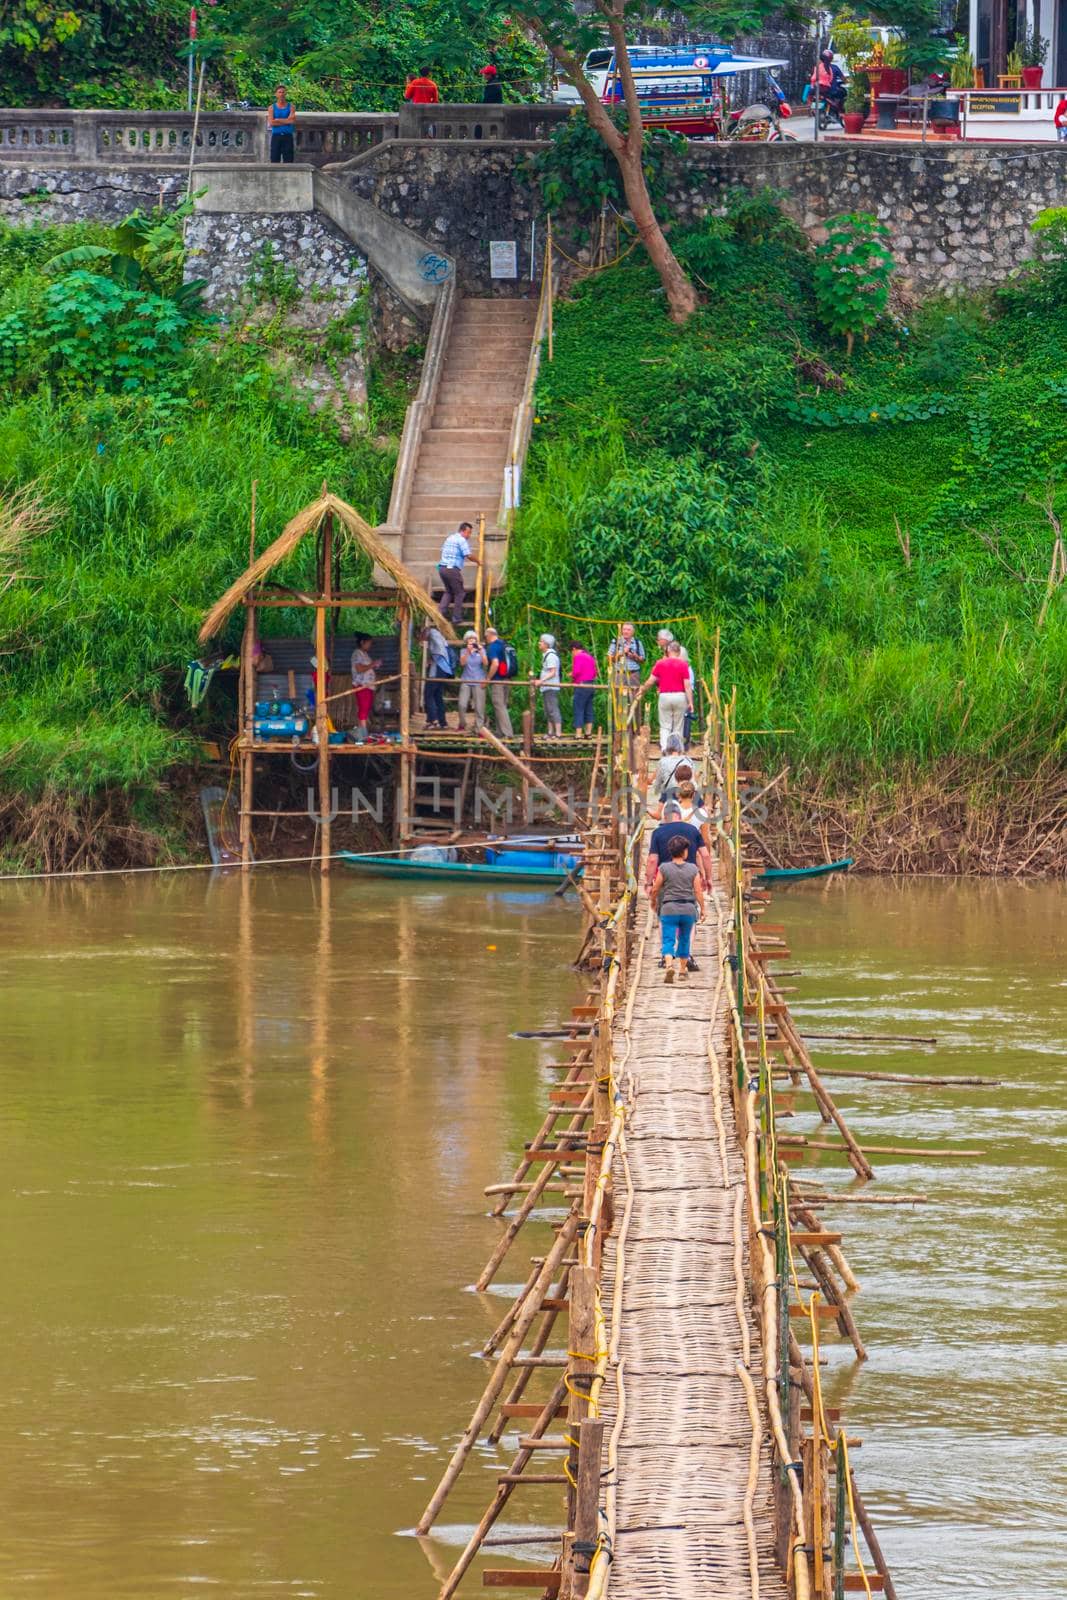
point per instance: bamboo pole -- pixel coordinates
(530, 1199)
(548, 273)
(528, 774)
(524, 1374)
(479, 577)
(503, 1494)
(404, 796)
(496, 1382)
(321, 713)
(245, 715)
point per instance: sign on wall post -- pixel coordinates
(996, 104)
(503, 258)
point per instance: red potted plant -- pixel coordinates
(855, 103)
(1033, 48)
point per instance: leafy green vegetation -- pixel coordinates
(873, 534)
(333, 58)
(141, 426)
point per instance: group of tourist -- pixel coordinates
(485, 669)
(678, 864)
(420, 89)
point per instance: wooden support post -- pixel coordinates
(581, 1546)
(321, 711)
(524, 1374)
(248, 779)
(530, 1199)
(498, 1379)
(245, 714)
(479, 578)
(834, 1297)
(404, 787)
(581, 1364)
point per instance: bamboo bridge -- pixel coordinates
(651, 1361)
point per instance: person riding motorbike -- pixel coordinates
(828, 82)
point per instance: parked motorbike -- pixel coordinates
(762, 121)
(830, 114)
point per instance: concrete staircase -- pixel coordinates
(459, 469)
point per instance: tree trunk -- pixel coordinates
(628, 150)
(681, 296)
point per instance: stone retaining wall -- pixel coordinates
(87, 193)
(959, 215)
(234, 251)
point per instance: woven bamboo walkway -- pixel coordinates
(686, 1436)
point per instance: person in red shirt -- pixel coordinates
(674, 680)
(422, 91)
(1059, 119)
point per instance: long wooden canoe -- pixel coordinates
(455, 871)
(779, 873)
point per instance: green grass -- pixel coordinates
(152, 495)
(916, 551)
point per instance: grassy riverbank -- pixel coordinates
(873, 536)
(138, 453)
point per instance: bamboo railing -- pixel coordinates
(579, 1154)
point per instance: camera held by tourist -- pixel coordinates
(473, 675)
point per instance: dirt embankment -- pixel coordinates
(950, 821)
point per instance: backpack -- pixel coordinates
(511, 661)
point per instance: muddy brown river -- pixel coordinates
(240, 1209)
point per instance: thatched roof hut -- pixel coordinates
(352, 526)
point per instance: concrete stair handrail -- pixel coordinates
(415, 269)
(419, 411)
(522, 419)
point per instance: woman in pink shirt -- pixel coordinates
(674, 680)
(583, 676)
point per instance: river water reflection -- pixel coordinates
(239, 1209)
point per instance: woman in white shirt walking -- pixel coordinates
(548, 683)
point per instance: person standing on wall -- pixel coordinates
(422, 91)
(454, 552)
(492, 91)
(673, 678)
(499, 672)
(281, 120)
